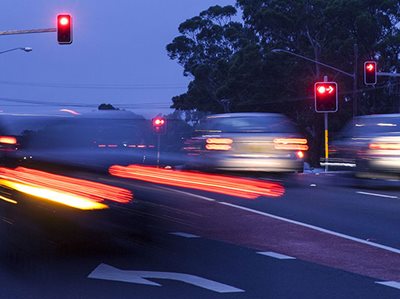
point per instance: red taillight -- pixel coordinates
(8, 140)
(219, 144)
(296, 144)
(384, 146)
(300, 154)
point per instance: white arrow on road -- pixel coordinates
(107, 272)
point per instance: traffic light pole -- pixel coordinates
(326, 141)
(326, 134)
(158, 149)
(28, 31)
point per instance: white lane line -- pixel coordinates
(186, 193)
(277, 255)
(376, 194)
(373, 244)
(395, 250)
(184, 235)
(392, 284)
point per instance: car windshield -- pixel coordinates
(247, 124)
(364, 127)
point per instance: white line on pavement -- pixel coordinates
(392, 284)
(277, 255)
(186, 193)
(376, 194)
(395, 250)
(184, 235)
(333, 233)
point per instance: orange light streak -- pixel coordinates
(240, 187)
(77, 193)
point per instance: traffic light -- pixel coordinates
(326, 96)
(370, 77)
(64, 29)
(159, 125)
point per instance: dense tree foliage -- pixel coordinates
(233, 67)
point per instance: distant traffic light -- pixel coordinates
(370, 77)
(64, 29)
(326, 96)
(159, 125)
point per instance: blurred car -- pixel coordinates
(255, 142)
(93, 140)
(369, 145)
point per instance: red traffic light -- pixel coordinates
(326, 97)
(159, 125)
(63, 21)
(158, 121)
(64, 29)
(370, 77)
(370, 67)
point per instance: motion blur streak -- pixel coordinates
(70, 200)
(8, 140)
(8, 199)
(77, 193)
(246, 188)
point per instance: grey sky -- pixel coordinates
(120, 42)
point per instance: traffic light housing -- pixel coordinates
(64, 29)
(370, 77)
(159, 125)
(326, 96)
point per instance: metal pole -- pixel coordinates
(326, 141)
(326, 134)
(158, 149)
(27, 31)
(355, 100)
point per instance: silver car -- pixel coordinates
(258, 142)
(369, 144)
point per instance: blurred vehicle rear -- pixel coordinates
(94, 140)
(369, 145)
(250, 142)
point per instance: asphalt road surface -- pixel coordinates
(326, 237)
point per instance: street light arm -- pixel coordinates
(26, 49)
(312, 60)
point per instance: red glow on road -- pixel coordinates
(77, 193)
(240, 187)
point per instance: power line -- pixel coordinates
(139, 86)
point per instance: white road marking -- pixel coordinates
(376, 194)
(186, 193)
(277, 255)
(392, 284)
(395, 250)
(184, 235)
(107, 272)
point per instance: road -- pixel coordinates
(325, 237)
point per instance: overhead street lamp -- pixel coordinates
(26, 49)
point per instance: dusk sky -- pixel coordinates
(118, 44)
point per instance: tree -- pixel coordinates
(107, 107)
(231, 62)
